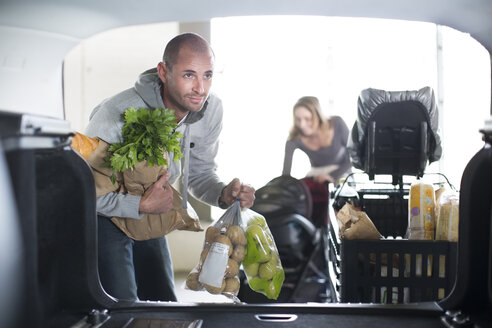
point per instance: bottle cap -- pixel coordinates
(487, 130)
(487, 126)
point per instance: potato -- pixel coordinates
(204, 254)
(211, 234)
(215, 290)
(192, 281)
(238, 253)
(236, 235)
(232, 285)
(223, 239)
(232, 268)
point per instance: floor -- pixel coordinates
(189, 296)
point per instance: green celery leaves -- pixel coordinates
(146, 135)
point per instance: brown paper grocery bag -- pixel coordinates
(356, 224)
(136, 182)
(158, 225)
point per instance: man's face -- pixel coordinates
(187, 84)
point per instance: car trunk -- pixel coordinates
(59, 286)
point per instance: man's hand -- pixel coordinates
(236, 190)
(158, 198)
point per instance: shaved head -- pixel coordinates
(192, 41)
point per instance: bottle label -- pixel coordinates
(215, 264)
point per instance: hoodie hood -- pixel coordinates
(148, 87)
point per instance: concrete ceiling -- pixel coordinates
(81, 19)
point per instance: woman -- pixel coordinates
(324, 141)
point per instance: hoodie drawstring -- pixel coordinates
(186, 166)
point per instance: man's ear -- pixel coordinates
(162, 71)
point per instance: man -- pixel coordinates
(132, 269)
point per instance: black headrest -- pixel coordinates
(373, 102)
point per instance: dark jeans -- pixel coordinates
(130, 269)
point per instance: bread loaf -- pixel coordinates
(447, 220)
(83, 144)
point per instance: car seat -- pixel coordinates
(396, 133)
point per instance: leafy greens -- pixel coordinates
(146, 135)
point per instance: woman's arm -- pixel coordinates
(290, 146)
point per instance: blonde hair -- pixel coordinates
(312, 104)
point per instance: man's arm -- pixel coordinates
(120, 205)
(158, 198)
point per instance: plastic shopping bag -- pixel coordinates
(262, 263)
(447, 216)
(223, 252)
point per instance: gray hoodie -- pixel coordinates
(199, 145)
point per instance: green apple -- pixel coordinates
(258, 284)
(269, 239)
(274, 260)
(258, 235)
(271, 291)
(252, 269)
(257, 220)
(267, 270)
(264, 253)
